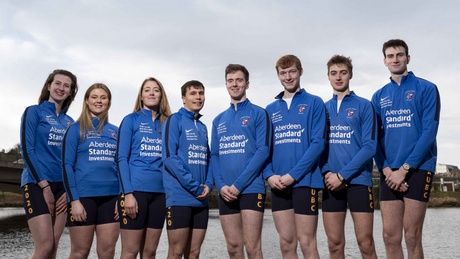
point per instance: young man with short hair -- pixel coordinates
(185, 176)
(408, 110)
(299, 128)
(240, 147)
(347, 163)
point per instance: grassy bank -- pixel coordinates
(10, 199)
(444, 199)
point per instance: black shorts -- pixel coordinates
(187, 217)
(34, 202)
(250, 201)
(419, 182)
(358, 197)
(304, 200)
(99, 210)
(151, 212)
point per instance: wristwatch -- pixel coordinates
(406, 167)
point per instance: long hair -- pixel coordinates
(45, 93)
(164, 110)
(85, 118)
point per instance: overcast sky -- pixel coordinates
(120, 43)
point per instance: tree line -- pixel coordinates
(11, 155)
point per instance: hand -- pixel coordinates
(333, 181)
(205, 192)
(275, 183)
(286, 180)
(131, 207)
(78, 211)
(61, 204)
(49, 199)
(387, 171)
(226, 194)
(47, 195)
(234, 191)
(395, 179)
(404, 187)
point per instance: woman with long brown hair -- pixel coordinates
(142, 202)
(42, 131)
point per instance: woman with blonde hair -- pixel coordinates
(90, 176)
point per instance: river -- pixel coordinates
(441, 237)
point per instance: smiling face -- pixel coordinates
(151, 95)
(98, 102)
(339, 76)
(396, 60)
(290, 78)
(59, 88)
(194, 98)
(236, 86)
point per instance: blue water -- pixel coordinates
(441, 237)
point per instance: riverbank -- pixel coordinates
(10, 199)
(444, 199)
(440, 237)
(437, 199)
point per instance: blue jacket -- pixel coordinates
(185, 160)
(139, 153)
(299, 136)
(240, 147)
(42, 132)
(352, 139)
(408, 116)
(89, 166)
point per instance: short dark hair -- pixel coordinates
(338, 59)
(190, 84)
(393, 44)
(232, 68)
